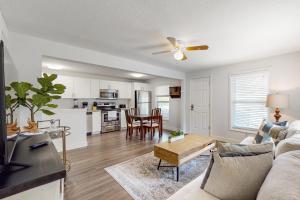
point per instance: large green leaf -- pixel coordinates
(40, 100)
(8, 101)
(50, 105)
(47, 112)
(21, 88)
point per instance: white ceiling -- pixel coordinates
(89, 69)
(235, 30)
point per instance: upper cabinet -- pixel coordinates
(67, 81)
(124, 88)
(95, 88)
(77, 87)
(82, 87)
(141, 86)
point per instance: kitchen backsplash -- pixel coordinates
(69, 103)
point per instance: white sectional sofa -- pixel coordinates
(287, 154)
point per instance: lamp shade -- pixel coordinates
(277, 101)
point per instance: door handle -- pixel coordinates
(192, 106)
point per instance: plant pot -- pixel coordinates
(173, 139)
(12, 129)
(31, 127)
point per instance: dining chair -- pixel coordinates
(156, 111)
(155, 122)
(134, 111)
(131, 125)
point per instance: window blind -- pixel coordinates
(163, 102)
(248, 97)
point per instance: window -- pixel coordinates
(248, 98)
(163, 102)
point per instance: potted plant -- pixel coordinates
(37, 98)
(175, 135)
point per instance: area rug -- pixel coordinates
(141, 179)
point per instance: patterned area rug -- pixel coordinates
(141, 179)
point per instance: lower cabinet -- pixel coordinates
(123, 120)
(96, 122)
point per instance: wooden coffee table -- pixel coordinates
(181, 151)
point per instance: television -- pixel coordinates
(8, 74)
(3, 135)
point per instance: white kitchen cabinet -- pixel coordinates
(124, 90)
(141, 86)
(67, 81)
(123, 120)
(82, 87)
(96, 122)
(104, 84)
(95, 88)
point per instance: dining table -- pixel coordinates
(143, 118)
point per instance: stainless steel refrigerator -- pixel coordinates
(143, 101)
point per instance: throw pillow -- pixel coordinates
(244, 171)
(242, 148)
(271, 132)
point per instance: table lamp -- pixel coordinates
(277, 101)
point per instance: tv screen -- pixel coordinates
(3, 136)
(8, 73)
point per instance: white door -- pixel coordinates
(199, 106)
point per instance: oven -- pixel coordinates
(109, 94)
(110, 120)
(110, 117)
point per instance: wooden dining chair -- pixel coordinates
(131, 125)
(134, 111)
(155, 122)
(156, 112)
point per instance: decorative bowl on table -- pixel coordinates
(175, 135)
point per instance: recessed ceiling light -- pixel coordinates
(55, 67)
(137, 75)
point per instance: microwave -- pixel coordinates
(109, 94)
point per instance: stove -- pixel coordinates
(110, 116)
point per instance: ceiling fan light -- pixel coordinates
(178, 55)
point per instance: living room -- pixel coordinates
(222, 105)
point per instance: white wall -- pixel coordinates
(27, 53)
(174, 122)
(284, 78)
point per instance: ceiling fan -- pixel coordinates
(180, 48)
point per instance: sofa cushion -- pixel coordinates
(192, 191)
(283, 180)
(243, 148)
(245, 172)
(290, 144)
(295, 125)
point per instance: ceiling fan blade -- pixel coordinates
(172, 40)
(161, 52)
(195, 48)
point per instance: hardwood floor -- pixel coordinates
(88, 180)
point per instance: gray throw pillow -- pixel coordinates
(236, 176)
(242, 148)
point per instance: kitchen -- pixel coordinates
(97, 97)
